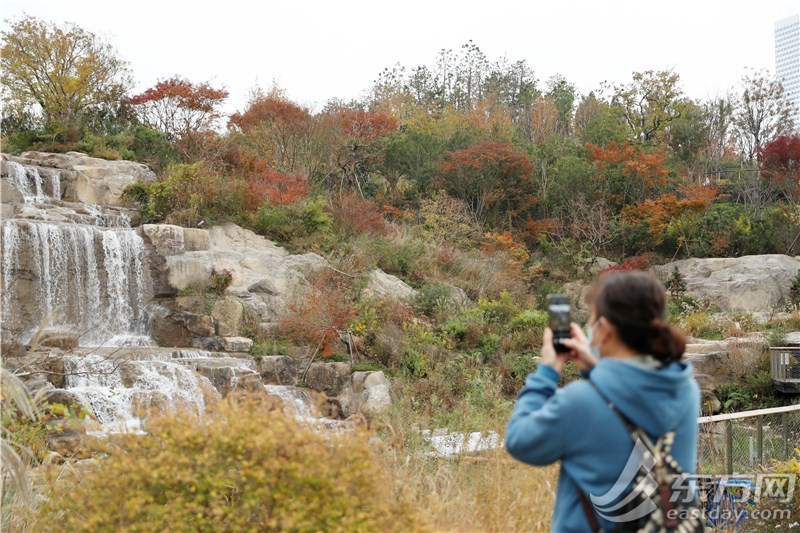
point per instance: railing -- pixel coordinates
(739, 443)
(785, 368)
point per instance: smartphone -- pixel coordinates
(559, 309)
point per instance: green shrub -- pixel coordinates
(152, 147)
(499, 310)
(676, 284)
(244, 467)
(529, 319)
(794, 290)
(189, 195)
(435, 298)
(545, 288)
(298, 221)
(700, 324)
(270, 346)
(400, 256)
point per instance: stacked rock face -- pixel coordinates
(122, 313)
(757, 284)
(69, 261)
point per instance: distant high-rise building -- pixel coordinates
(787, 61)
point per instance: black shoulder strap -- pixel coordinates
(588, 510)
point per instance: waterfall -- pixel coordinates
(82, 277)
(118, 391)
(30, 184)
(105, 220)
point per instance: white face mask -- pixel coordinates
(590, 337)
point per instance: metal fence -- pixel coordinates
(740, 443)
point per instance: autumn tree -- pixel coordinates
(761, 114)
(597, 122)
(687, 135)
(543, 120)
(412, 155)
(628, 173)
(63, 71)
(262, 183)
(648, 103)
(514, 85)
(672, 213)
(779, 161)
(493, 178)
(285, 134)
(176, 106)
(562, 94)
(358, 154)
(718, 118)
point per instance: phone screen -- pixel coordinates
(559, 317)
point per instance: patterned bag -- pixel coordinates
(660, 499)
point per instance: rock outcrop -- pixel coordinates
(264, 277)
(757, 284)
(718, 362)
(88, 180)
(383, 285)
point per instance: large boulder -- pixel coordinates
(719, 362)
(264, 277)
(227, 374)
(369, 395)
(383, 285)
(180, 329)
(330, 378)
(757, 284)
(229, 315)
(88, 179)
(279, 370)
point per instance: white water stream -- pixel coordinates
(82, 268)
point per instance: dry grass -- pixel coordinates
(488, 492)
(745, 355)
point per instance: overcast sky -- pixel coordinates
(318, 50)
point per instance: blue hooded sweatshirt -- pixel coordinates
(573, 424)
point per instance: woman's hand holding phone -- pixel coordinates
(549, 356)
(579, 350)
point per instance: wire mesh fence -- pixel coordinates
(739, 443)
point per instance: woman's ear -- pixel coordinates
(605, 329)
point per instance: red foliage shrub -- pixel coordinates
(780, 164)
(492, 177)
(353, 215)
(177, 106)
(641, 262)
(366, 126)
(323, 311)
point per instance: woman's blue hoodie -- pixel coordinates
(573, 424)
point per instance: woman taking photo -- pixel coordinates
(635, 381)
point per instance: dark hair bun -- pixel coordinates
(635, 303)
(668, 342)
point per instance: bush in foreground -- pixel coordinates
(243, 467)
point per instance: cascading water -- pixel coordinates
(90, 280)
(31, 185)
(119, 391)
(89, 276)
(83, 268)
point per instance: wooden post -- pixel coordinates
(729, 447)
(760, 440)
(785, 423)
